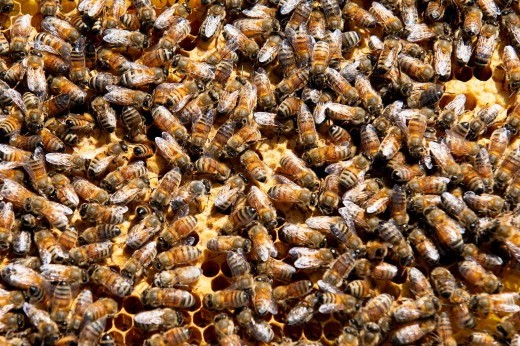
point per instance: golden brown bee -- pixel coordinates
(101, 80)
(60, 303)
(410, 333)
(410, 310)
(64, 86)
(209, 166)
(339, 269)
(112, 281)
(486, 44)
(173, 152)
(476, 275)
(444, 283)
(177, 255)
(125, 38)
(93, 212)
(448, 230)
(157, 319)
(374, 309)
(327, 154)
(345, 233)
(157, 57)
(262, 298)
(227, 299)
(254, 166)
(89, 192)
(41, 319)
(359, 16)
(20, 276)
(384, 17)
(288, 192)
(456, 207)
(166, 121)
(90, 252)
(128, 97)
(508, 326)
(328, 199)
(99, 233)
(488, 261)
(176, 231)
(262, 243)
(161, 196)
(266, 98)
(67, 273)
(21, 28)
(509, 165)
(512, 193)
(292, 83)
(294, 290)
(6, 224)
(64, 191)
(416, 68)
(276, 269)
(388, 56)
(263, 206)
(499, 140)
(177, 277)
(360, 288)
(56, 105)
(259, 330)
(138, 77)
(241, 140)
(351, 174)
(512, 67)
(295, 168)
(424, 246)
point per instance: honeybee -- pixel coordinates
(177, 255)
(178, 30)
(498, 142)
(99, 233)
(329, 153)
(374, 309)
(94, 212)
(369, 97)
(42, 321)
(398, 206)
(225, 329)
(89, 192)
(241, 140)
(166, 121)
(229, 243)
(176, 231)
(410, 333)
(388, 56)
(508, 325)
(486, 43)
(7, 220)
(21, 28)
(269, 51)
(476, 275)
(500, 303)
(190, 192)
(125, 38)
(510, 164)
(303, 311)
(328, 199)
(157, 319)
(295, 168)
(444, 283)
(226, 299)
(179, 276)
(276, 269)
(339, 269)
(246, 45)
(351, 174)
(288, 192)
(410, 310)
(459, 209)
(64, 273)
(112, 281)
(173, 152)
(359, 16)
(307, 258)
(209, 166)
(260, 330)
(424, 246)
(20, 276)
(128, 97)
(416, 68)
(448, 231)
(263, 206)
(384, 17)
(341, 86)
(62, 85)
(424, 95)
(442, 155)
(90, 252)
(48, 247)
(512, 67)
(262, 298)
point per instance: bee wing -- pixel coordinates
(150, 317)
(420, 32)
(22, 26)
(513, 250)
(91, 7)
(16, 97)
(163, 20)
(232, 31)
(44, 48)
(265, 119)
(457, 104)
(377, 205)
(440, 152)
(60, 208)
(117, 36)
(280, 179)
(60, 159)
(101, 164)
(287, 6)
(268, 52)
(258, 11)
(48, 24)
(330, 308)
(322, 222)
(12, 188)
(319, 113)
(337, 167)
(123, 195)
(210, 25)
(36, 81)
(325, 286)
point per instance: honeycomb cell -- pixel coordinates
(197, 304)
(210, 269)
(202, 318)
(332, 330)
(483, 74)
(132, 304)
(119, 338)
(313, 330)
(134, 337)
(196, 336)
(219, 283)
(210, 336)
(225, 269)
(464, 73)
(471, 102)
(123, 322)
(293, 332)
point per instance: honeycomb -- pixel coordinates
(482, 88)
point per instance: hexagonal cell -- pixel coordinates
(210, 269)
(293, 332)
(132, 304)
(119, 339)
(210, 336)
(332, 330)
(134, 337)
(483, 74)
(123, 321)
(313, 331)
(219, 283)
(197, 304)
(196, 336)
(225, 269)
(203, 317)
(464, 73)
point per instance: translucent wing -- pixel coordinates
(258, 11)
(420, 32)
(117, 36)
(150, 317)
(287, 6)
(210, 25)
(16, 97)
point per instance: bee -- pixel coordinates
(176, 231)
(339, 269)
(359, 16)
(266, 98)
(208, 165)
(512, 67)
(52, 44)
(173, 152)
(241, 140)
(442, 48)
(351, 174)
(411, 310)
(498, 142)
(329, 153)
(35, 75)
(269, 51)
(312, 258)
(213, 21)
(512, 193)
(489, 261)
(125, 38)
(448, 231)
(369, 97)
(91, 252)
(177, 32)
(158, 319)
(345, 232)
(178, 276)
(384, 17)
(328, 199)
(245, 44)
(190, 192)
(60, 303)
(459, 209)
(128, 97)
(442, 155)
(64, 191)
(399, 205)
(510, 21)
(20, 30)
(424, 95)
(94, 212)
(112, 281)
(167, 122)
(159, 57)
(292, 83)
(89, 192)
(415, 68)
(64, 273)
(99, 233)
(7, 220)
(486, 44)
(260, 330)
(508, 325)
(138, 77)
(388, 56)
(20, 276)
(341, 86)
(410, 333)
(424, 246)
(262, 244)
(161, 195)
(103, 307)
(62, 85)
(472, 21)
(105, 114)
(295, 168)
(226, 299)
(489, 8)
(300, 16)
(225, 329)
(374, 309)
(288, 192)
(296, 289)
(262, 298)
(42, 321)
(263, 207)
(510, 163)
(476, 275)
(175, 256)
(254, 166)
(101, 80)
(444, 283)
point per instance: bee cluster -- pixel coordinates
(291, 172)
